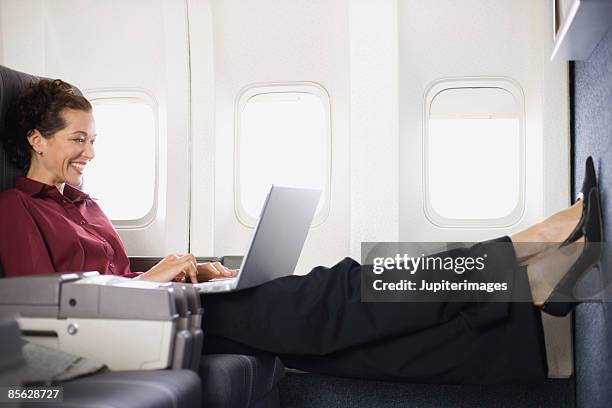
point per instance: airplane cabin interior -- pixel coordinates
(415, 121)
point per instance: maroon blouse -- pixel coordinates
(44, 231)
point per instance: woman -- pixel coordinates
(54, 137)
(315, 322)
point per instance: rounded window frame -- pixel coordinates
(503, 83)
(242, 99)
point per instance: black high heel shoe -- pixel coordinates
(557, 303)
(590, 181)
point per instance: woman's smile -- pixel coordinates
(79, 167)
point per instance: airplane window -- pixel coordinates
(474, 156)
(283, 138)
(122, 176)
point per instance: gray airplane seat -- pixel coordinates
(135, 325)
(127, 325)
(11, 83)
(237, 380)
(146, 389)
(102, 317)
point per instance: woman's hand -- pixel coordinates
(181, 268)
(214, 270)
(171, 267)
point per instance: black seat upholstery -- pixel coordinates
(11, 83)
(236, 380)
(134, 389)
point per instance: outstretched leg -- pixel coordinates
(322, 312)
(537, 248)
(318, 323)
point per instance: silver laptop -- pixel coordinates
(277, 241)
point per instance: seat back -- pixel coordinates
(11, 84)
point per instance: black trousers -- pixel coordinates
(318, 323)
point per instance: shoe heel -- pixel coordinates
(557, 303)
(589, 182)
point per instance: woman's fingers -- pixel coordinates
(212, 270)
(222, 270)
(189, 267)
(193, 270)
(218, 268)
(209, 271)
(179, 278)
(229, 272)
(170, 257)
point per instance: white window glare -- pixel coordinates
(473, 167)
(122, 176)
(283, 138)
(474, 154)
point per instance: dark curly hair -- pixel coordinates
(38, 107)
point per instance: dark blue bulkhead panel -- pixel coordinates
(592, 126)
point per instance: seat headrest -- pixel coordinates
(11, 84)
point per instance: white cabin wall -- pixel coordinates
(22, 28)
(555, 127)
(203, 146)
(245, 40)
(374, 123)
(281, 41)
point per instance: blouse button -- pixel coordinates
(111, 265)
(82, 222)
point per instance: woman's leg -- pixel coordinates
(544, 237)
(537, 248)
(511, 349)
(319, 323)
(322, 312)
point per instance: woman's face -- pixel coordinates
(66, 153)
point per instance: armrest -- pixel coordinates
(190, 310)
(97, 317)
(144, 263)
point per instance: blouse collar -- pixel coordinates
(36, 188)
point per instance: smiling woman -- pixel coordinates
(50, 137)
